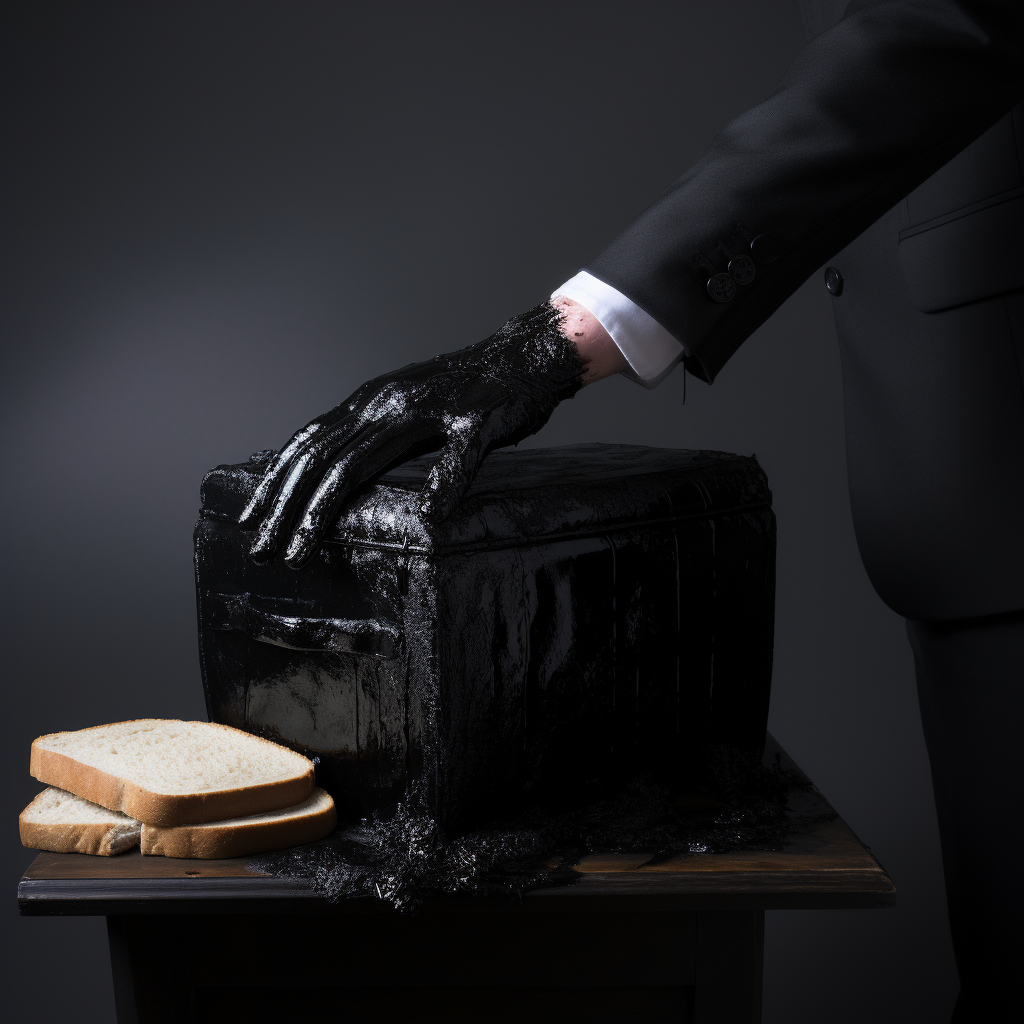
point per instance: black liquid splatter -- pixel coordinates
(406, 856)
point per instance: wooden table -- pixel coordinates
(203, 941)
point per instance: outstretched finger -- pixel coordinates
(274, 474)
(300, 478)
(365, 458)
(347, 417)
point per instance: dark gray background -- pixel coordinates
(225, 217)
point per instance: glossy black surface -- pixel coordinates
(586, 613)
(464, 403)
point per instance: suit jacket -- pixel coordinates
(893, 147)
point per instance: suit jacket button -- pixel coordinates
(834, 281)
(764, 249)
(742, 269)
(721, 287)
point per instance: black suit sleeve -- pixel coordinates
(866, 112)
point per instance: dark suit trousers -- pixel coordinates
(970, 679)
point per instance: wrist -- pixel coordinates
(601, 356)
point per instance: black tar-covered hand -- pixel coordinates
(464, 403)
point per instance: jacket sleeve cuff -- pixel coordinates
(652, 353)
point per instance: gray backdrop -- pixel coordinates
(225, 217)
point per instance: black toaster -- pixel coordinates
(587, 614)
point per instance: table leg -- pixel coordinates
(121, 969)
(150, 986)
(728, 967)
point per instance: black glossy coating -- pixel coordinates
(737, 803)
(586, 613)
(464, 403)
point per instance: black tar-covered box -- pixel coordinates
(587, 614)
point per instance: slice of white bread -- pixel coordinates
(167, 772)
(65, 823)
(239, 837)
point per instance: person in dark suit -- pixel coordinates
(892, 149)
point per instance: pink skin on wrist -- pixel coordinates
(597, 350)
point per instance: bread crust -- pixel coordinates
(99, 838)
(165, 809)
(238, 839)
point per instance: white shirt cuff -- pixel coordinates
(652, 353)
